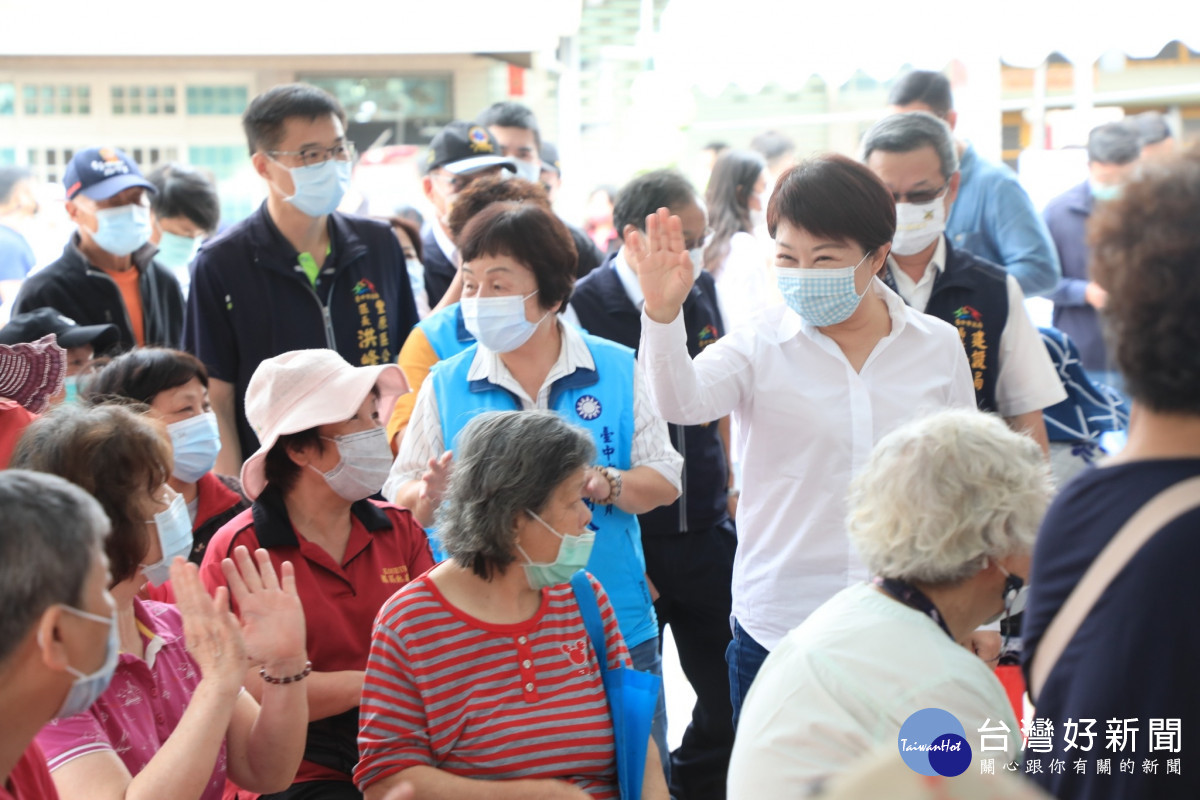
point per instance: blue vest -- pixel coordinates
(446, 332)
(601, 402)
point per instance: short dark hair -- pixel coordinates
(834, 197)
(926, 87)
(10, 177)
(482, 192)
(645, 194)
(1152, 128)
(185, 192)
(278, 468)
(1145, 251)
(266, 115)
(1114, 143)
(530, 234)
(507, 114)
(113, 453)
(142, 373)
(51, 533)
(411, 229)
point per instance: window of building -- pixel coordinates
(217, 99)
(8, 156)
(412, 107)
(139, 100)
(48, 99)
(8, 99)
(237, 186)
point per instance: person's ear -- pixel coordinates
(302, 455)
(628, 230)
(952, 118)
(53, 652)
(952, 190)
(259, 161)
(72, 209)
(880, 257)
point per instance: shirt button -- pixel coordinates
(521, 640)
(527, 663)
(529, 687)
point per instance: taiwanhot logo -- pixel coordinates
(933, 742)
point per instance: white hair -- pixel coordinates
(943, 493)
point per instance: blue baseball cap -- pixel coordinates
(101, 172)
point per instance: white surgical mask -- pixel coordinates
(174, 527)
(319, 188)
(123, 229)
(697, 257)
(918, 226)
(365, 460)
(499, 323)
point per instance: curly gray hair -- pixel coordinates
(942, 493)
(505, 462)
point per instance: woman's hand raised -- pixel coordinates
(661, 263)
(272, 618)
(210, 630)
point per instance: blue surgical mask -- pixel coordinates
(821, 297)
(197, 441)
(320, 187)
(573, 555)
(528, 170)
(499, 323)
(1105, 191)
(175, 251)
(87, 688)
(71, 389)
(174, 527)
(123, 229)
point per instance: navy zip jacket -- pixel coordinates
(605, 310)
(251, 300)
(86, 294)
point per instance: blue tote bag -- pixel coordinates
(632, 696)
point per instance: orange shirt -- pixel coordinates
(416, 358)
(131, 294)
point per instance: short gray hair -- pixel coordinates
(52, 533)
(504, 463)
(941, 494)
(903, 133)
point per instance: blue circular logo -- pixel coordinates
(933, 742)
(588, 407)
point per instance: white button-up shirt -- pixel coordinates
(808, 423)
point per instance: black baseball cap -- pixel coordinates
(101, 172)
(33, 325)
(464, 147)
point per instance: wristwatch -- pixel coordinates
(613, 476)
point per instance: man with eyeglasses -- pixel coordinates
(297, 273)
(915, 157)
(459, 153)
(994, 217)
(689, 544)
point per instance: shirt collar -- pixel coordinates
(936, 265)
(273, 526)
(791, 323)
(448, 247)
(629, 280)
(488, 366)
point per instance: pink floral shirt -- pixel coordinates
(142, 705)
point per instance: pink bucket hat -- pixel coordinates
(302, 389)
(30, 373)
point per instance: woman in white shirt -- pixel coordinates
(944, 514)
(812, 384)
(739, 263)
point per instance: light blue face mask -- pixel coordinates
(174, 536)
(71, 389)
(123, 229)
(320, 187)
(1105, 192)
(87, 688)
(175, 251)
(196, 441)
(821, 297)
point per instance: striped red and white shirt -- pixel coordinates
(485, 701)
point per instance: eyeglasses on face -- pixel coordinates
(310, 156)
(921, 196)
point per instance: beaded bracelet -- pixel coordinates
(262, 673)
(613, 476)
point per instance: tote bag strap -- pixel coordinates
(590, 609)
(1163, 508)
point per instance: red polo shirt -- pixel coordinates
(30, 778)
(386, 549)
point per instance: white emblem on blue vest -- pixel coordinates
(588, 407)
